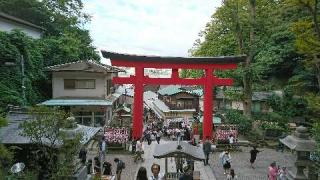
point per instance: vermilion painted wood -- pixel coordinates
(137, 125)
(209, 81)
(165, 65)
(207, 105)
(166, 81)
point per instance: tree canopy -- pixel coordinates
(63, 40)
(281, 38)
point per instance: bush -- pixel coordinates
(254, 136)
(271, 125)
(243, 123)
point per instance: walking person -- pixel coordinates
(156, 175)
(283, 173)
(273, 171)
(97, 166)
(103, 148)
(206, 149)
(232, 175)
(231, 140)
(158, 136)
(253, 155)
(83, 155)
(139, 151)
(107, 168)
(226, 161)
(134, 145)
(148, 137)
(120, 166)
(142, 174)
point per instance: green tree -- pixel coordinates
(262, 28)
(307, 31)
(5, 155)
(58, 150)
(63, 41)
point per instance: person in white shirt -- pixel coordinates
(139, 151)
(156, 175)
(231, 139)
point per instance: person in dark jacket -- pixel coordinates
(97, 163)
(134, 145)
(206, 149)
(83, 155)
(253, 156)
(107, 168)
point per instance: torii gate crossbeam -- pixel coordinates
(209, 64)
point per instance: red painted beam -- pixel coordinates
(124, 80)
(126, 63)
(222, 81)
(147, 80)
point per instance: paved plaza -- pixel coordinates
(240, 162)
(129, 173)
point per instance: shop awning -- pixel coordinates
(215, 119)
(77, 102)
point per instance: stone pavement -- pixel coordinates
(240, 163)
(206, 172)
(130, 172)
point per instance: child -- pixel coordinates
(283, 173)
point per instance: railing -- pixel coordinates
(252, 177)
(173, 176)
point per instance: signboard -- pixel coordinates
(116, 135)
(224, 131)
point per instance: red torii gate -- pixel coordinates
(209, 64)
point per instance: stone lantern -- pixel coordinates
(303, 145)
(70, 131)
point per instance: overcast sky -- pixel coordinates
(150, 27)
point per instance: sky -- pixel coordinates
(148, 27)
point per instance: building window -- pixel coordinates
(188, 104)
(109, 86)
(79, 84)
(179, 104)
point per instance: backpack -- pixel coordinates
(122, 165)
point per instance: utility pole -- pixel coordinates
(22, 82)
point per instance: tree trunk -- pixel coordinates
(238, 29)
(318, 73)
(247, 80)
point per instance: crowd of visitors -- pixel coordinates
(154, 131)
